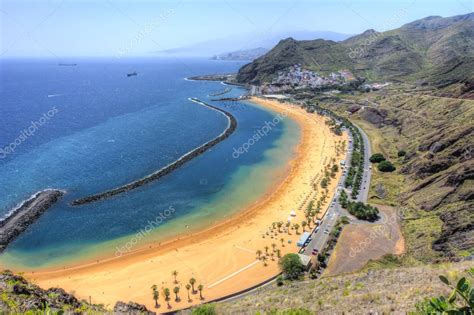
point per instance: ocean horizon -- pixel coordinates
(88, 128)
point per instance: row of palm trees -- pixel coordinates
(190, 287)
(263, 256)
(295, 226)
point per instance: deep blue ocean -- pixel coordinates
(88, 128)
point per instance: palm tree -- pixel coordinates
(176, 291)
(264, 259)
(156, 295)
(288, 224)
(282, 240)
(278, 253)
(273, 225)
(166, 293)
(188, 287)
(200, 288)
(192, 281)
(266, 249)
(272, 255)
(296, 226)
(279, 224)
(259, 253)
(274, 246)
(175, 274)
(304, 224)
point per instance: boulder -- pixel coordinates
(131, 308)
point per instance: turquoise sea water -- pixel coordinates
(89, 128)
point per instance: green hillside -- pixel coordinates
(439, 51)
(434, 178)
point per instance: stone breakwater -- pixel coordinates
(26, 214)
(231, 126)
(225, 91)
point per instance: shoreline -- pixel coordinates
(232, 242)
(231, 126)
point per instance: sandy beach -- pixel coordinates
(223, 257)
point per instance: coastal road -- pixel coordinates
(365, 185)
(320, 237)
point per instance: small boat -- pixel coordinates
(67, 64)
(132, 74)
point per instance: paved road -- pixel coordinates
(319, 238)
(365, 185)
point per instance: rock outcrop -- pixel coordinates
(131, 308)
(20, 296)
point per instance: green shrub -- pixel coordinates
(324, 182)
(345, 220)
(377, 158)
(279, 281)
(343, 199)
(205, 309)
(291, 266)
(362, 211)
(401, 153)
(386, 166)
(459, 301)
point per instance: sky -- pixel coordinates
(61, 28)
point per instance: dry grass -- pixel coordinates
(394, 290)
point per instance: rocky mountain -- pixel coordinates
(245, 41)
(249, 54)
(426, 112)
(437, 50)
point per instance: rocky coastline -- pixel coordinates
(232, 125)
(19, 296)
(26, 214)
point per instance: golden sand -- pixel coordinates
(222, 258)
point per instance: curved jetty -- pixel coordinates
(26, 214)
(231, 126)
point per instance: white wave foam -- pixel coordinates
(18, 206)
